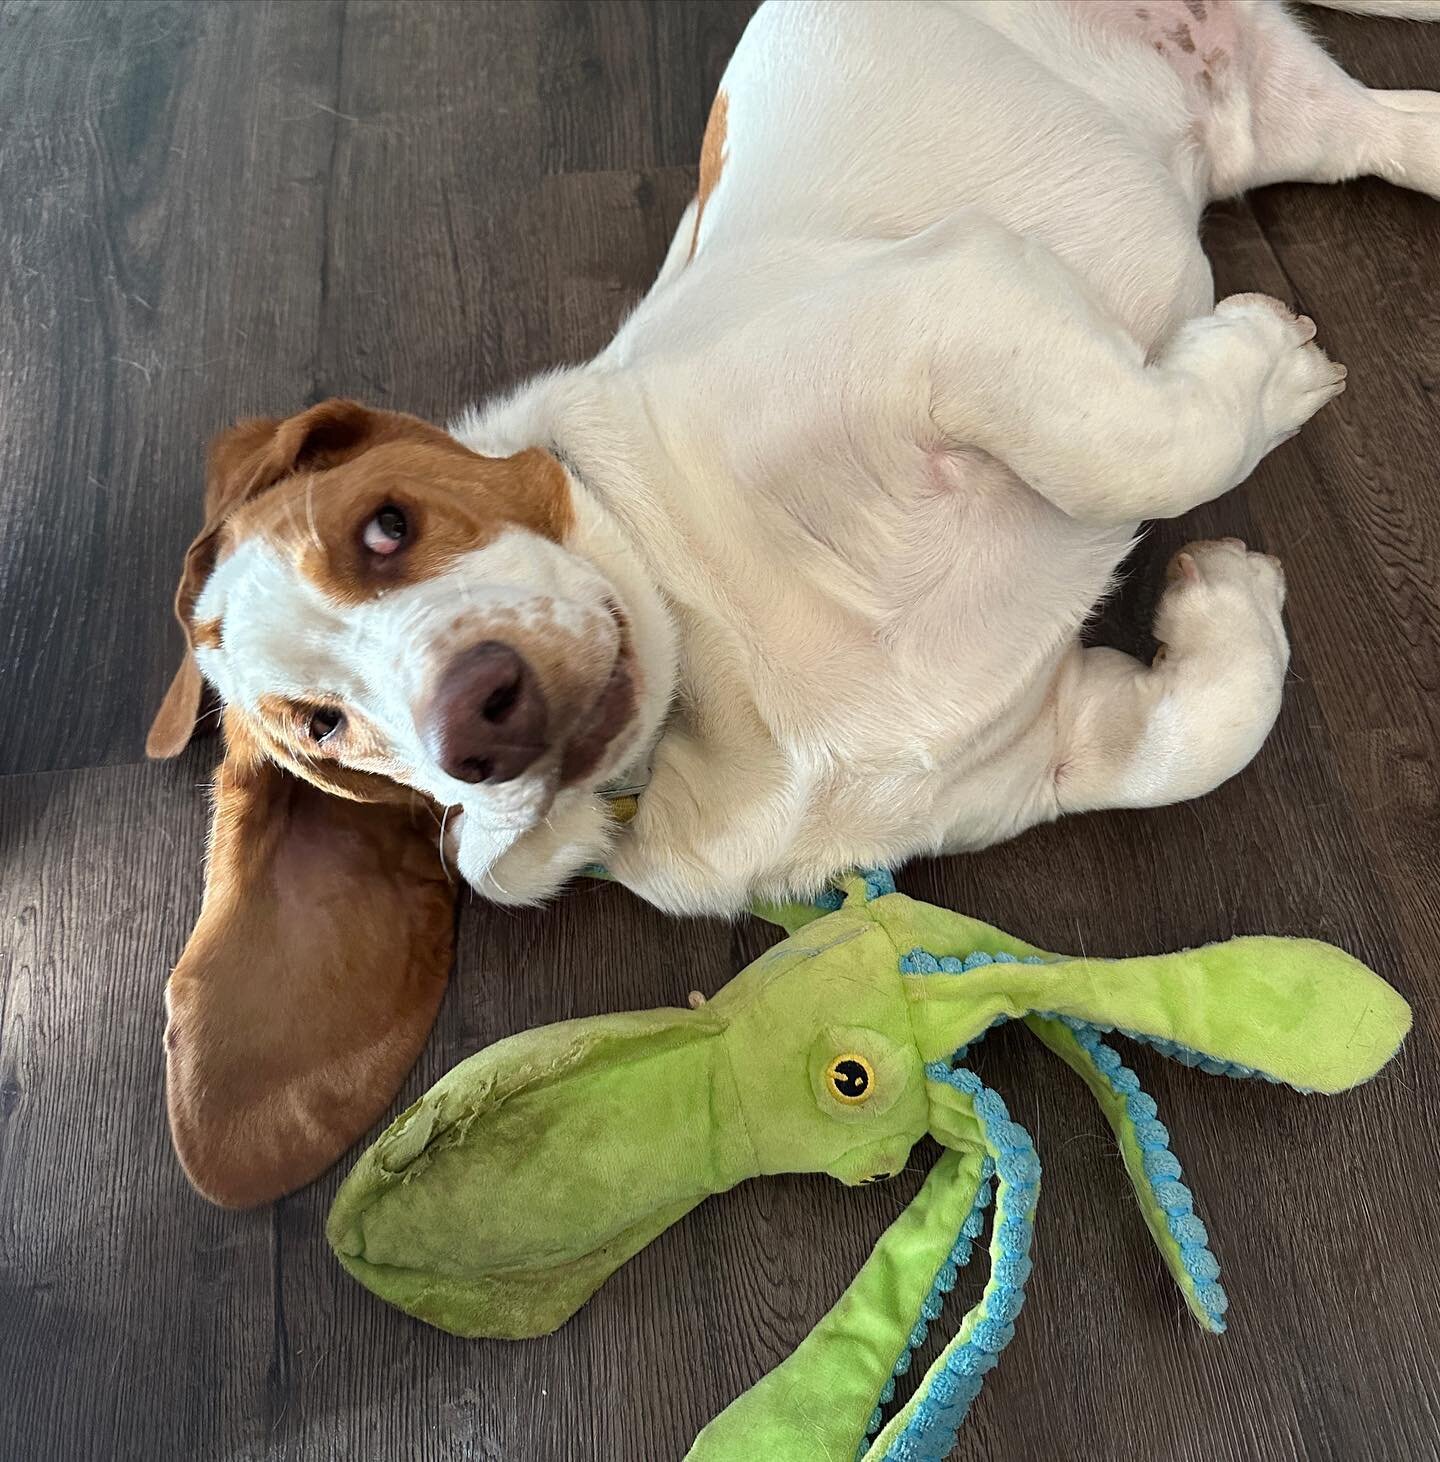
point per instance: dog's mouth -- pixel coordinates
(611, 712)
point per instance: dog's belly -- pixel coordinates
(878, 120)
(871, 721)
(923, 721)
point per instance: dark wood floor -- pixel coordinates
(210, 209)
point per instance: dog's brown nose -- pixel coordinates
(488, 716)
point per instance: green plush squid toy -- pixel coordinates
(507, 1195)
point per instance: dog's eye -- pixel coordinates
(325, 723)
(386, 531)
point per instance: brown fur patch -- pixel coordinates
(712, 160)
(453, 499)
(206, 635)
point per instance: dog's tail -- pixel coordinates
(1399, 9)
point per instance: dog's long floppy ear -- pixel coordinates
(309, 983)
(243, 462)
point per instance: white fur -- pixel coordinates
(947, 337)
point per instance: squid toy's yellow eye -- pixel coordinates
(851, 1078)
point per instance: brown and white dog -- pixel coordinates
(811, 541)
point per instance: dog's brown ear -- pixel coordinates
(243, 462)
(310, 982)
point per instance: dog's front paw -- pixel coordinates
(577, 832)
(1301, 378)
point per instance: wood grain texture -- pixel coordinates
(225, 207)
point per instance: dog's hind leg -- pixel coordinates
(1131, 735)
(1282, 111)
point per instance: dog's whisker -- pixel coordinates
(444, 818)
(310, 513)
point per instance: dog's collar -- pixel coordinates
(621, 794)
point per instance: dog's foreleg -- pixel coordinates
(577, 832)
(1025, 365)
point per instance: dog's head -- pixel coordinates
(379, 606)
(396, 626)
